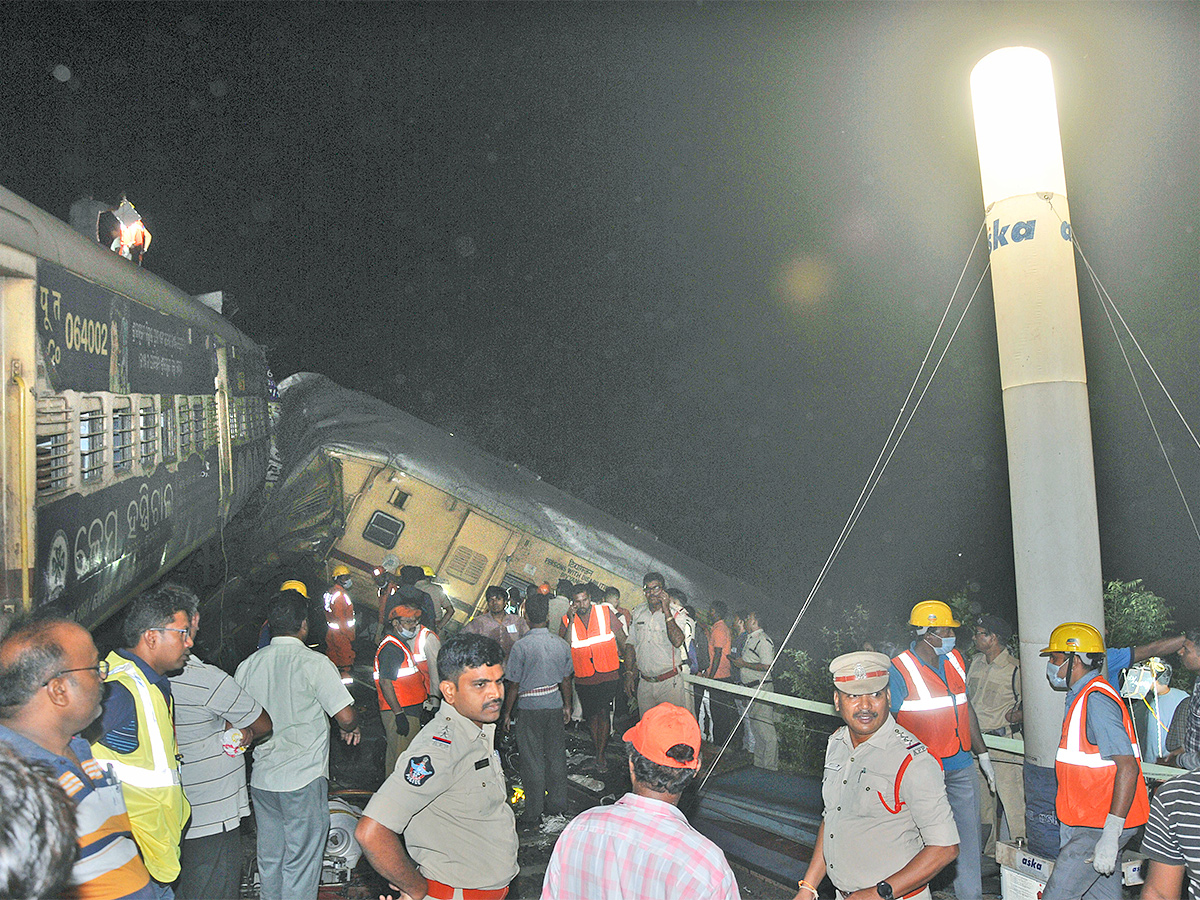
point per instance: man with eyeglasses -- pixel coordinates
(137, 730)
(51, 683)
(652, 652)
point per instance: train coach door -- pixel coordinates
(18, 459)
(224, 436)
(474, 555)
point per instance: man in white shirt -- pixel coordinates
(289, 781)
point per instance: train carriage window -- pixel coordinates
(92, 434)
(466, 565)
(383, 530)
(147, 433)
(53, 445)
(166, 430)
(122, 435)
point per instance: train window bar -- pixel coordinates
(166, 430)
(198, 424)
(93, 434)
(53, 446)
(210, 421)
(122, 441)
(147, 433)
(187, 438)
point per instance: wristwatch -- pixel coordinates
(885, 891)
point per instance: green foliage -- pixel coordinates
(1134, 615)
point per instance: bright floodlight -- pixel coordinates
(1016, 125)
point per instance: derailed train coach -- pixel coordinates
(135, 420)
(366, 485)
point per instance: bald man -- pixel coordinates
(51, 684)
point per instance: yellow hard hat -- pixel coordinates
(932, 614)
(339, 571)
(428, 570)
(294, 585)
(1075, 637)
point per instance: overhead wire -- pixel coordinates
(1109, 306)
(899, 427)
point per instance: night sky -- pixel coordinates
(683, 261)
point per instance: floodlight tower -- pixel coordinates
(1052, 483)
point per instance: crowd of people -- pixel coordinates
(125, 776)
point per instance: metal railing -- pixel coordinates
(1152, 771)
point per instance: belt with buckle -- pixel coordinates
(663, 677)
(439, 891)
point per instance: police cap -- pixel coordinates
(860, 672)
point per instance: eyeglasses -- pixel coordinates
(185, 633)
(100, 668)
(651, 588)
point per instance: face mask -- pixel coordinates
(947, 646)
(405, 633)
(347, 584)
(1056, 681)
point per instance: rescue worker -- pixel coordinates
(137, 729)
(264, 633)
(405, 675)
(928, 687)
(339, 622)
(887, 829)
(448, 798)
(1102, 796)
(597, 645)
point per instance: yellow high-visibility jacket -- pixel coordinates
(158, 809)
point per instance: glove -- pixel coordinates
(1105, 859)
(401, 724)
(985, 763)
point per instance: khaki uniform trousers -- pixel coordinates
(1010, 787)
(396, 743)
(673, 690)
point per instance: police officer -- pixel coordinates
(447, 796)
(888, 828)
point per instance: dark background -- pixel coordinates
(683, 261)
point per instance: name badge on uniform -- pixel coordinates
(482, 763)
(512, 629)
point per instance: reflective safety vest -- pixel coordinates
(149, 775)
(935, 711)
(594, 647)
(1085, 778)
(339, 610)
(409, 682)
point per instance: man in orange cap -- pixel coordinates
(642, 846)
(406, 677)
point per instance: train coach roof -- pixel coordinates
(31, 230)
(319, 416)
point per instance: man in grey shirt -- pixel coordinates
(540, 670)
(207, 704)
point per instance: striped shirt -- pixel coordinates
(1173, 833)
(205, 699)
(636, 849)
(109, 866)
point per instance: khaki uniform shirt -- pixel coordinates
(991, 689)
(655, 653)
(865, 843)
(759, 648)
(447, 797)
